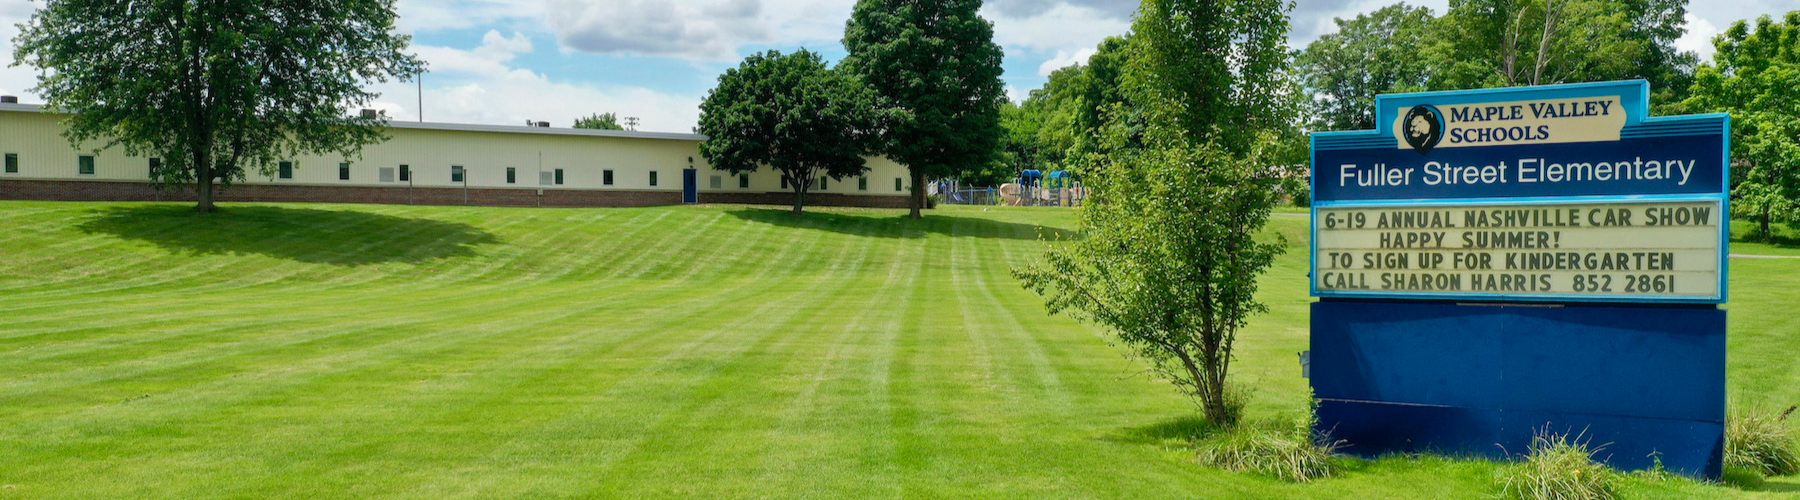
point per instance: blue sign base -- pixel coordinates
(1642, 384)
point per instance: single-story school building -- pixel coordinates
(438, 164)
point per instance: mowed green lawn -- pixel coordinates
(316, 351)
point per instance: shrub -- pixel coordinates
(1558, 468)
(1760, 442)
(1288, 452)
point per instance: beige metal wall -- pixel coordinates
(485, 156)
(45, 154)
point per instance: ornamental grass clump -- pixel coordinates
(1289, 453)
(1763, 443)
(1558, 468)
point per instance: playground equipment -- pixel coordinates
(1032, 188)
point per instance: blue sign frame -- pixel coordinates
(1640, 130)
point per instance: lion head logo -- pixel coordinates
(1423, 128)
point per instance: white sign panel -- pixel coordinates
(1543, 121)
(1622, 250)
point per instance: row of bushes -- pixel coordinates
(1556, 467)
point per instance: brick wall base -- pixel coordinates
(812, 199)
(58, 190)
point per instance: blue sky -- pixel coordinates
(508, 61)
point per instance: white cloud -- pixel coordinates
(522, 95)
(1032, 8)
(1311, 19)
(20, 9)
(1698, 38)
(703, 30)
(15, 81)
(1065, 59)
(1722, 13)
(417, 15)
(491, 58)
(1064, 27)
(486, 88)
(807, 22)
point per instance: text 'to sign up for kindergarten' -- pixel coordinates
(1562, 193)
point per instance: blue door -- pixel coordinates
(690, 186)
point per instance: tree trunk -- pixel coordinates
(1211, 394)
(203, 175)
(1767, 235)
(799, 197)
(206, 196)
(918, 192)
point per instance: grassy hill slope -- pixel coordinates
(308, 351)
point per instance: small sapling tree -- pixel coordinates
(1168, 262)
(216, 87)
(791, 113)
(1170, 254)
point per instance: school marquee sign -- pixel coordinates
(1495, 263)
(1548, 193)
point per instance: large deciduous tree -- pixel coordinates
(1755, 76)
(935, 71)
(1169, 257)
(1372, 54)
(1505, 43)
(216, 87)
(791, 113)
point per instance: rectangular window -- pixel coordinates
(897, 185)
(284, 170)
(386, 174)
(785, 182)
(12, 163)
(85, 165)
(718, 182)
(155, 166)
(512, 175)
(821, 183)
(456, 173)
(862, 183)
(744, 181)
(606, 177)
(343, 171)
(405, 173)
(652, 178)
(559, 178)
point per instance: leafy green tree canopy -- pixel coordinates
(791, 113)
(1755, 76)
(599, 121)
(1505, 43)
(1376, 53)
(935, 72)
(1040, 132)
(216, 87)
(1101, 98)
(1213, 71)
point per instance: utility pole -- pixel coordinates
(631, 123)
(421, 80)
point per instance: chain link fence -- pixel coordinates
(1014, 195)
